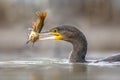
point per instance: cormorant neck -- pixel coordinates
(79, 50)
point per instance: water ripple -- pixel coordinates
(48, 61)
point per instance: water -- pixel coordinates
(55, 69)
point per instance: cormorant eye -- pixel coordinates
(55, 30)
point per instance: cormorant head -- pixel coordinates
(63, 32)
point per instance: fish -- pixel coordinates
(37, 26)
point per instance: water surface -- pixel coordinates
(55, 69)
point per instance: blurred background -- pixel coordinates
(99, 20)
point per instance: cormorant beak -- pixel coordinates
(50, 36)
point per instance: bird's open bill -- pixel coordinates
(46, 36)
(49, 36)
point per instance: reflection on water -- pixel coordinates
(58, 70)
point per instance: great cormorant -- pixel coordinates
(77, 38)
